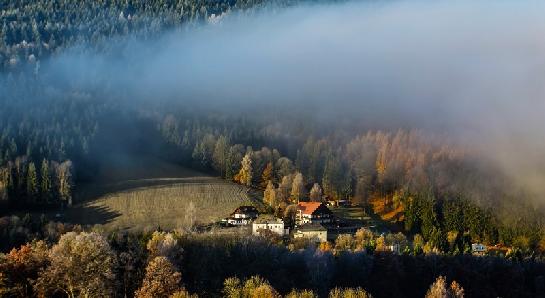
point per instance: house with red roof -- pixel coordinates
(313, 212)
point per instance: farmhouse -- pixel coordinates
(313, 212)
(478, 249)
(243, 215)
(313, 231)
(270, 223)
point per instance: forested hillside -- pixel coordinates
(426, 193)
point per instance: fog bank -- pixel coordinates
(475, 69)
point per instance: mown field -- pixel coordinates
(165, 204)
(149, 194)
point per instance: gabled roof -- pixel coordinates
(309, 207)
(245, 209)
(268, 219)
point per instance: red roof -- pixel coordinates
(308, 207)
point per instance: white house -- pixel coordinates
(314, 232)
(270, 223)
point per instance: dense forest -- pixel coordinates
(441, 195)
(46, 145)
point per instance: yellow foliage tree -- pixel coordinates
(161, 279)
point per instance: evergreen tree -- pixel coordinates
(45, 183)
(32, 183)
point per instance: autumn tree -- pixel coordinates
(269, 195)
(163, 244)
(316, 193)
(3, 285)
(267, 175)
(364, 238)
(183, 294)
(439, 289)
(301, 294)
(22, 266)
(349, 293)
(297, 188)
(244, 176)
(284, 188)
(254, 287)
(161, 280)
(81, 265)
(345, 242)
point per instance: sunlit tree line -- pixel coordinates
(171, 264)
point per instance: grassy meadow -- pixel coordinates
(151, 193)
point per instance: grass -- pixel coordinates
(164, 206)
(350, 213)
(151, 194)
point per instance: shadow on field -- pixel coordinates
(86, 214)
(88, 193)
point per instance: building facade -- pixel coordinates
(313, 212)
(312, 231)
(243, 215)
(270, 223)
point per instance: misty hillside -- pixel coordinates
(143, 126)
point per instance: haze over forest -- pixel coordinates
(467, 69)
(141, 125)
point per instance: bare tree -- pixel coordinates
(190, 215)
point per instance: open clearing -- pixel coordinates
(164, 205)
(141, 198)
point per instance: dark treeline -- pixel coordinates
(163, 263)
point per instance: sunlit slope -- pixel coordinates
(165, 203)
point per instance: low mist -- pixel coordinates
(472, 69)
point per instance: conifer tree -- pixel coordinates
(32, 182)
(45, 182)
